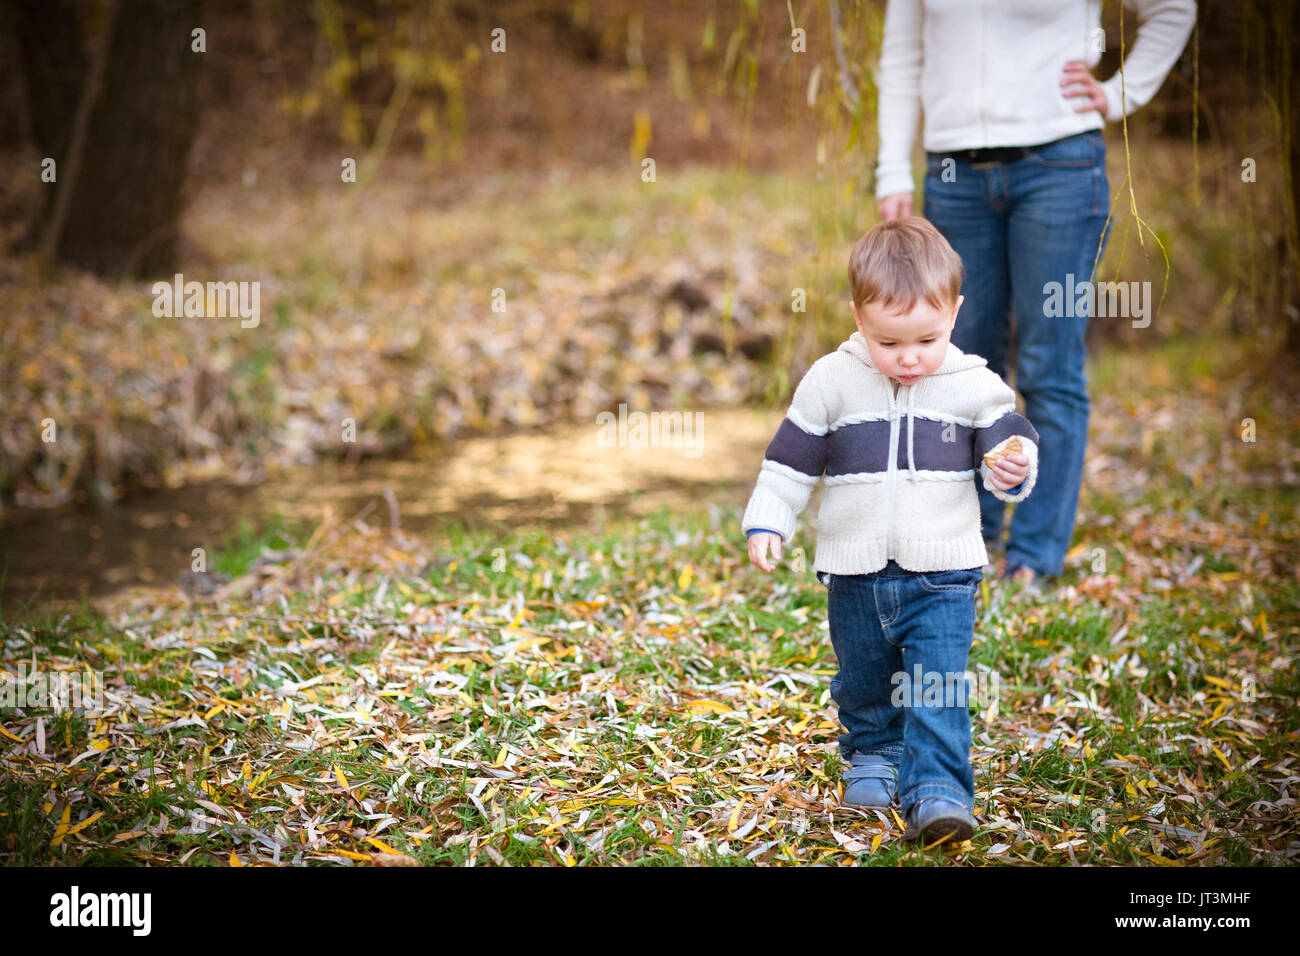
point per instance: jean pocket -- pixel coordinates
(960, 582)
(1074, 152)
(825, 578)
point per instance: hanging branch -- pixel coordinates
(846, 81)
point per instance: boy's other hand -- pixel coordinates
(897, 206)
(1008, 472)
(758, 545)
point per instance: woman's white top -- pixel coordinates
(988, 72)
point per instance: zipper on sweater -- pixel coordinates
(891, 473)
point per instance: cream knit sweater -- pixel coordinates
(899, 466)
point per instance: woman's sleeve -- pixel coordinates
(898, 80)
(1162, 31)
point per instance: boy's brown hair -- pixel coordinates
(895, 263)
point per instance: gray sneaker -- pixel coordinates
(935, 819)
(871, 782)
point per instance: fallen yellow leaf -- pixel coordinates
(62, 829)
(1219, 753)
(363, 857)
(735, 815)
(86, 822)
(705, 705)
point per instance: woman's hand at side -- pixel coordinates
(897, 206)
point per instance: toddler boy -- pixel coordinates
(898, 421)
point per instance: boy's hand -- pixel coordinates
(758, 545)
(1007, 472)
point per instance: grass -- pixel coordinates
(585, 699)
(636, 694)
(241, 548)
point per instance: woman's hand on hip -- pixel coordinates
(897, 206)
(1077, 81)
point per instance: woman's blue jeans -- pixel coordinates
(1020, 226)
(898, 636)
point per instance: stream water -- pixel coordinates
(561, 475)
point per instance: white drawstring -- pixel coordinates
(911, 461)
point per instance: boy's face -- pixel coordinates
(907, 345)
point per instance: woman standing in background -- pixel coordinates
(1016, 182)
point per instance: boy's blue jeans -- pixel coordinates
(1019, 226)
(889, 628)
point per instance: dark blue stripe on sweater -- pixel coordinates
(860, 447)
(795, 448)
(864, 447)
(936, 446)
(1002, 429)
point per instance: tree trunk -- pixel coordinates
(54, 68)
(125, 200)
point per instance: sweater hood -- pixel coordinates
(955, 361)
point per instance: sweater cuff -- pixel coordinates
(1114, 107)
(1021, 491)
(768, 511)
(891, 180)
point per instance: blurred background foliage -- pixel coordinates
(521, 170)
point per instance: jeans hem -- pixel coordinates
(923, 791)
(893, 753)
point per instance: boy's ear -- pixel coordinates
(955, 309)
